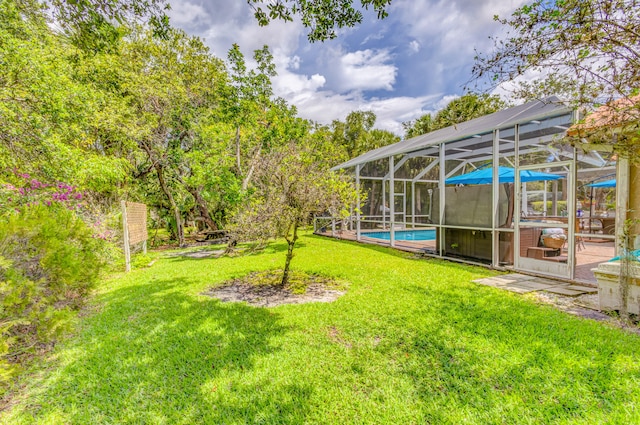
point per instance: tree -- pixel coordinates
(54, 123)
(290, 186)
(260, 121)
(93, 24)
(423, 125)
(249, 95)
(457, 111)
(123, 110)
(174, 84)
(356, 135)
(322, 17)
(586, 50)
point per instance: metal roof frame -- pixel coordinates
(476, 130)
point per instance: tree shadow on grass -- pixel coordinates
(270, 248)
(154, 354)
(499, 358)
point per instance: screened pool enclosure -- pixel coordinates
(505, 190)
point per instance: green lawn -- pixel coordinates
(412, 341)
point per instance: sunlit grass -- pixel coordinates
(412, 341)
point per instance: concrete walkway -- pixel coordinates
(577, 300)
(523, 284)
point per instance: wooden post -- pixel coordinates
(125, 237)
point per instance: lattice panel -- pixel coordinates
(137, 222)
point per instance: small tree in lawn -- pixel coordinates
(289, 187)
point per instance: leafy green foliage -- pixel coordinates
(322, 17)
(354, 137)
(49, 260)
(94, 25)
(290, 187)
(122, 112)
(55, 124)
(175, 84)
(585, 50)
(538, 206)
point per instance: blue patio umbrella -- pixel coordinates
(606, 183)
(505, 175)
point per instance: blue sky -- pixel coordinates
(413, 62)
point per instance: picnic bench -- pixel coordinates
(213, 236)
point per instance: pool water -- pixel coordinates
(404, 235)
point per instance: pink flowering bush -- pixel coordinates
(49, 260)
(27, 191)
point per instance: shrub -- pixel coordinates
(537, 206)
(49, 261)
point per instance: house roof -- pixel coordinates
(528, 112)
(614, 114)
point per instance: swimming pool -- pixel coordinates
(404, 235)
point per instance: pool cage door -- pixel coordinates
(394, 212)
(546, 220)
(400, 204)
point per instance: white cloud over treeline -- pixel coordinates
(400, 68)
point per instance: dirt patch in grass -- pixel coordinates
(263, 289)
(335, 335)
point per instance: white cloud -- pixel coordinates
(411, 58)
(249, 36)
(325, 106)
(393, 112)
(184, 14)
(449, 33)
(452, 20)
(294, 63)
(366, 70)
(289, 85)
(373, 37)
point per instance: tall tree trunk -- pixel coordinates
(238, 163)
(172, 202)
(291, 242)
(247, 178)
(203, 209)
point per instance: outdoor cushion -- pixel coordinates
(553, 231)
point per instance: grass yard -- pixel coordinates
(412, 341)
